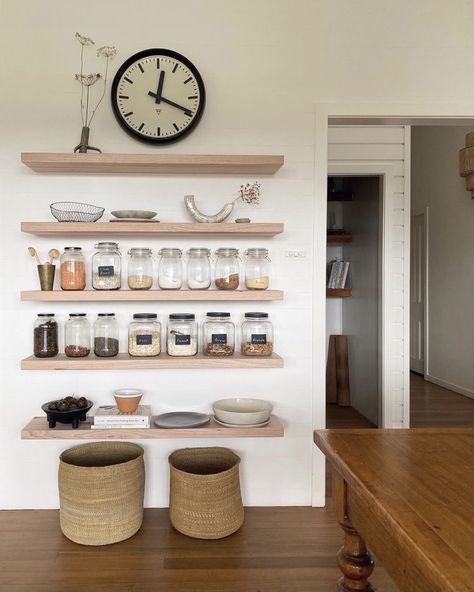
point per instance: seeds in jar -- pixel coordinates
(142, 342)
(45, 340)
(106, 347)
(76, 351)
(140, 282)
(73, 275)
(105, 282)
(228, 283)
(218, 350)
(257, 349)
(258, 283)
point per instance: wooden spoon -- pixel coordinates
(53, 254)
(33, 253)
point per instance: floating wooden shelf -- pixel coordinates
(339, 239)
(338, 292)
(151, 295)
(37, 429)
(163, 361)
(151, 228)
(153, 164)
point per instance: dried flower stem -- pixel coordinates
(103, 92)
(249, 193)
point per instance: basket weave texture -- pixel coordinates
(101, 489)
(205, 499)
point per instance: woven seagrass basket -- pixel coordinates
(205, 500)
(101, 488)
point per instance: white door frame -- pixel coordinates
(371, 113)
(386, 172)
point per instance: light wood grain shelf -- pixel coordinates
(153, 164)
(37, 429)
(163, 361)
(338, 292)
(151, 295)
(339, 239)
(265, 229)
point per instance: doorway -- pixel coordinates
(418, 291)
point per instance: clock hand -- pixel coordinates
(159, 90)
(172, 103)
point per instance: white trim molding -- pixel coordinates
(460, 390)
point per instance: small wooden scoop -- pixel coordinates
(33, 253)
(53, 254)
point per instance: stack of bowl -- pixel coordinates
(242, 413)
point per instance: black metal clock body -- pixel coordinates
(158, 96)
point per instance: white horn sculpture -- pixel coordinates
(221, 215)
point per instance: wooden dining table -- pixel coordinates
(408, 496)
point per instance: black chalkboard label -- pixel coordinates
(182, 339)
(258, 339)
(144, 339)
(219, 339)
(106, 270)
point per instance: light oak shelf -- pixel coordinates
(265, 229)
(163, 361)
(37, 429)
(339, 239)
(151, 295)
(338, 292)
(153, 164)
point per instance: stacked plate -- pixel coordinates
(133, 216)
(242, 413)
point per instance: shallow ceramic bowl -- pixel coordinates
(148, 214)
(242, 411)
(128, 399)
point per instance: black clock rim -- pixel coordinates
(143, 54)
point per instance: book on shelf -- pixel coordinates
(343, 278)
(338, 272)
(119, 426)
(110, 416)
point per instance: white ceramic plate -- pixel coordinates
(181, 419)
(148, 214)
(245, 425)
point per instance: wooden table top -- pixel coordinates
(420, 482)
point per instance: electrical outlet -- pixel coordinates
(296, 254)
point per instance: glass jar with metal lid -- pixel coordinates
(218, 335)
(199, 269)
(144, 335)
(106, 267)
(73, 269)
(140, 269)
(257, 269)
(227, 269)
(182, 335)
(77, 336)
(45, 336)
(170, 269)
(257, 335)
(106, 335)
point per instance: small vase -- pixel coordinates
(83, 145)
(221, 215)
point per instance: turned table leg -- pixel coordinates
(355, 562)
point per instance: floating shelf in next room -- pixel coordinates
(37, 429)
(338, 292)
(153, 164)
(339, 239)
(163, 361)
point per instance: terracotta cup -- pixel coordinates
(127, 399)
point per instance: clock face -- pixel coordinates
(158, 96)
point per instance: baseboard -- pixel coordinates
(452, 387)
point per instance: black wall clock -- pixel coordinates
(158, 96)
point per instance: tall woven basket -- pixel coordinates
(205, 500)
(101, 488)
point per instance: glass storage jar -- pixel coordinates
(182, 335)
(73, 269)
(170, 269)
(77, 336)
(257, 269)
(199, 269)
(106, 335)
(257, 335)
(140, 269)
(227, 269)
(144, 335)
(45, 336)
(106, 267)
(218, 335)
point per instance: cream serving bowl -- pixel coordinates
(242, 411)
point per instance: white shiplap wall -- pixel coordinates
(385, 146)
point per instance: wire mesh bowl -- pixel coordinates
(71, 211)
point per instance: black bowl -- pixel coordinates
(73, 416)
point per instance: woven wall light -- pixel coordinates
(466, 163)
